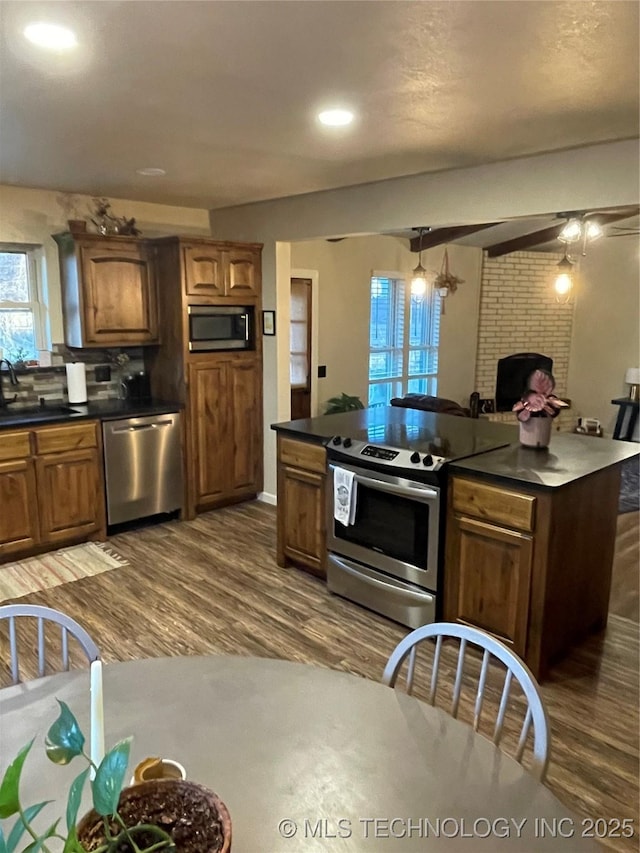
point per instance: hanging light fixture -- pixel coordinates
(563, 284)
(578, 229)
(419, 276)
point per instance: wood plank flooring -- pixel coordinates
(212, 586)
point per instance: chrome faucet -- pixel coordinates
(12, 378)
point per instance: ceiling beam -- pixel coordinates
(547, 235)
(446, 235)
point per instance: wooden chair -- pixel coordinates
(492, 649)
(68, 626)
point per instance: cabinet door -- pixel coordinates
(120, 302)
(243, 274)
(19, 514)
(487, 579)
(70, 498)
(211, 442)
(301, 517)
(246, 413)
(204, 271)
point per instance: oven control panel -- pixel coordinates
(379, 452)
(347, 448)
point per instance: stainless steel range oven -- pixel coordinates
(390, 555)
(388, 559)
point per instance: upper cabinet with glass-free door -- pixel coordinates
(108, 290)
(221, 270)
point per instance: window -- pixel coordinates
(403, 341)
(20, 311)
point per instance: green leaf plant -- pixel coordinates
(64, 742)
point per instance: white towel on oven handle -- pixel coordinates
(345, 490)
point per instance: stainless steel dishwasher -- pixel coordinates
(143, 466)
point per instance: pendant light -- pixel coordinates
(563, 284)
(580, 229)
(419, 277)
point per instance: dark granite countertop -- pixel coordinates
(568, 458)
(102, 410)
(371, 424)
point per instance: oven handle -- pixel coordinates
(417, 491)
(385, 585)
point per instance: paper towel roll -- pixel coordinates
(76, 382)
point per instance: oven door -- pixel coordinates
(396, 526)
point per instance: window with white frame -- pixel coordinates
(404, 333)
(21, 331)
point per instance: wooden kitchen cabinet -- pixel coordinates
(519, 566)
(301, 505)
(19, 525)
(52, 489)
(221, 270)
(109, 290)
(221, 390)
(224, 459)
(488, 571)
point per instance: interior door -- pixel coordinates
(300, 348)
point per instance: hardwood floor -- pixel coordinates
(212, 586)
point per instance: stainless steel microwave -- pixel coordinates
(220, 327)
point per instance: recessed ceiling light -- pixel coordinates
(151, 172)
(51, 36)
(335, 118)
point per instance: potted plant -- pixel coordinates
(536, 409)
(343, 403)
(160, 815)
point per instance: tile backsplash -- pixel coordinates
(50, 383)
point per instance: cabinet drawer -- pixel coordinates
(311, 457)
(68, 437)
(14, 445)
(494, 504)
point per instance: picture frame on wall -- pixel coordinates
(268, 322)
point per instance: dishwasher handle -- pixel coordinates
(138, 427)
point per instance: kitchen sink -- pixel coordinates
(34, 413)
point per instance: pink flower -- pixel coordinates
(539, 399)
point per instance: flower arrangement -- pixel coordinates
(539, 400)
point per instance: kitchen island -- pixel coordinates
(529, 534)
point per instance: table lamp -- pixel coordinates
(632, 378)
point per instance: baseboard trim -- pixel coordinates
(268, 498)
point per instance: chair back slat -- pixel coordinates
(13, 649)
(40, 646)
(502, 710)
(42, 615)
(535, 721)
(523, 735)
(477, 711)
(411, 669)
(64, 637)
(435, 670)
(458, 683)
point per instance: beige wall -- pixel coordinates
(31, 216)
(606, 332)
(595, 176)
(342, 321)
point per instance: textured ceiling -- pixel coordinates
(223, 95)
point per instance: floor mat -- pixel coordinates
(56, 568)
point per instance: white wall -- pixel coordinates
(31, 216)
(606, 330)
(344, 275)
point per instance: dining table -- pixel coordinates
(305, 758)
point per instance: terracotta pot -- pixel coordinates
(536, 432)
(142, 803)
